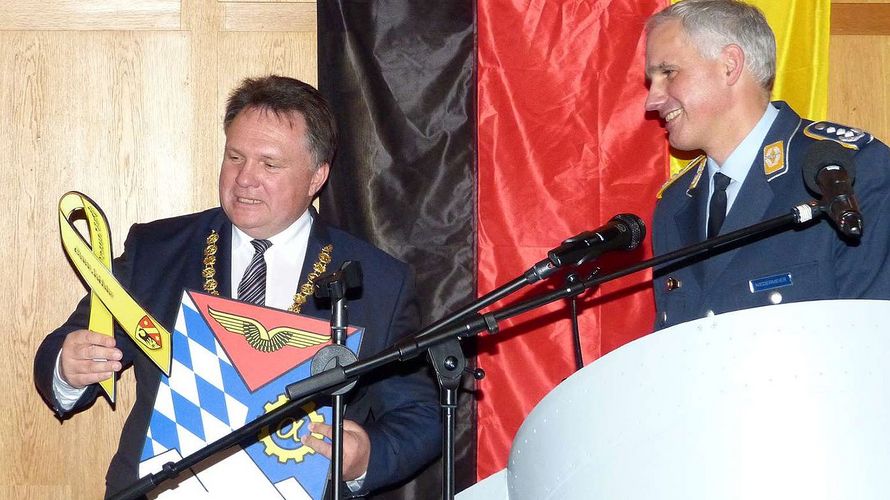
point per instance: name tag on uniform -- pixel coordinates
(770, 282)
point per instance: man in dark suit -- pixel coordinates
(711, 67)
(280, 140)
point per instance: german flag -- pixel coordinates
(476, 136)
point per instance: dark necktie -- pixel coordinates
(717, 207)
(253, 285)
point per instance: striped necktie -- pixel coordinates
(253, 285)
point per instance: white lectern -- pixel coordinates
(780, 402)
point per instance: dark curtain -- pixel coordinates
(400, 75)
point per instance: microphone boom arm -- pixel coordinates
(459, 325)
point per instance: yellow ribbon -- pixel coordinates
(108, 299)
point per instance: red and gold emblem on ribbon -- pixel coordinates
(148, 334)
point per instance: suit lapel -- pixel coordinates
(743, 214)
(690, 220)
(224, 260)
(318, 238)
(689, 217)
(757, 194)
(197, 245)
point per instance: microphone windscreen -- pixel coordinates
(823, 154)
(637, 229)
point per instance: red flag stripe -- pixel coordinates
(563, 146)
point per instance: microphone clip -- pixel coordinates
(843, 212)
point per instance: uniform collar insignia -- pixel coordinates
(699, 162)
(773, 158)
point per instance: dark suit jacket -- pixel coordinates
(398, 407)
(822, 265)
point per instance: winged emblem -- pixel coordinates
(265, 340)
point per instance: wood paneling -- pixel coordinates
(122, 100)
(269, 17)
(858, 89)
(860, 19)
(89, 15)
(308, 2)
(859, 92)
(90, 111)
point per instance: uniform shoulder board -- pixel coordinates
(848, 137)
(699, 162)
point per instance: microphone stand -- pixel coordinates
(335, 287)
(571, 279)
(449, 363)
(469, 325)
(458, 326)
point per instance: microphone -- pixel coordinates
(622, 232)
(335, 285)
(829, 170)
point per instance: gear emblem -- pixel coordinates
(284, 443)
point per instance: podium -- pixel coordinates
(778, 402)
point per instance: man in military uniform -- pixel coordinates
(711, 67)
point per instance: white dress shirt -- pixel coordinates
(284, 261)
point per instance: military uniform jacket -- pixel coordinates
(809, 262)
(398, 408)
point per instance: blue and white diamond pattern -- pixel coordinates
(199, 403)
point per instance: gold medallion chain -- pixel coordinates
(305, 290)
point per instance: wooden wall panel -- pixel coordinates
(88, 111)
(89, 15)
(122, 101)
(252, 54)
(859, 90)
(860, 19)
(268, 17)
(859, 76)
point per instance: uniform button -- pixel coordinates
(709, 313)
(673, 283)
(820, 126)
(775, 298)
(664, 317)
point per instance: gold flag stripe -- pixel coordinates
(107, 296)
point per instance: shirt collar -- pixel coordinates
(285, 237)
(742, 157)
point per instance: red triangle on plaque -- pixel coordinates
(262, 343)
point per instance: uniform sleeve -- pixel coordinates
(861, 269)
